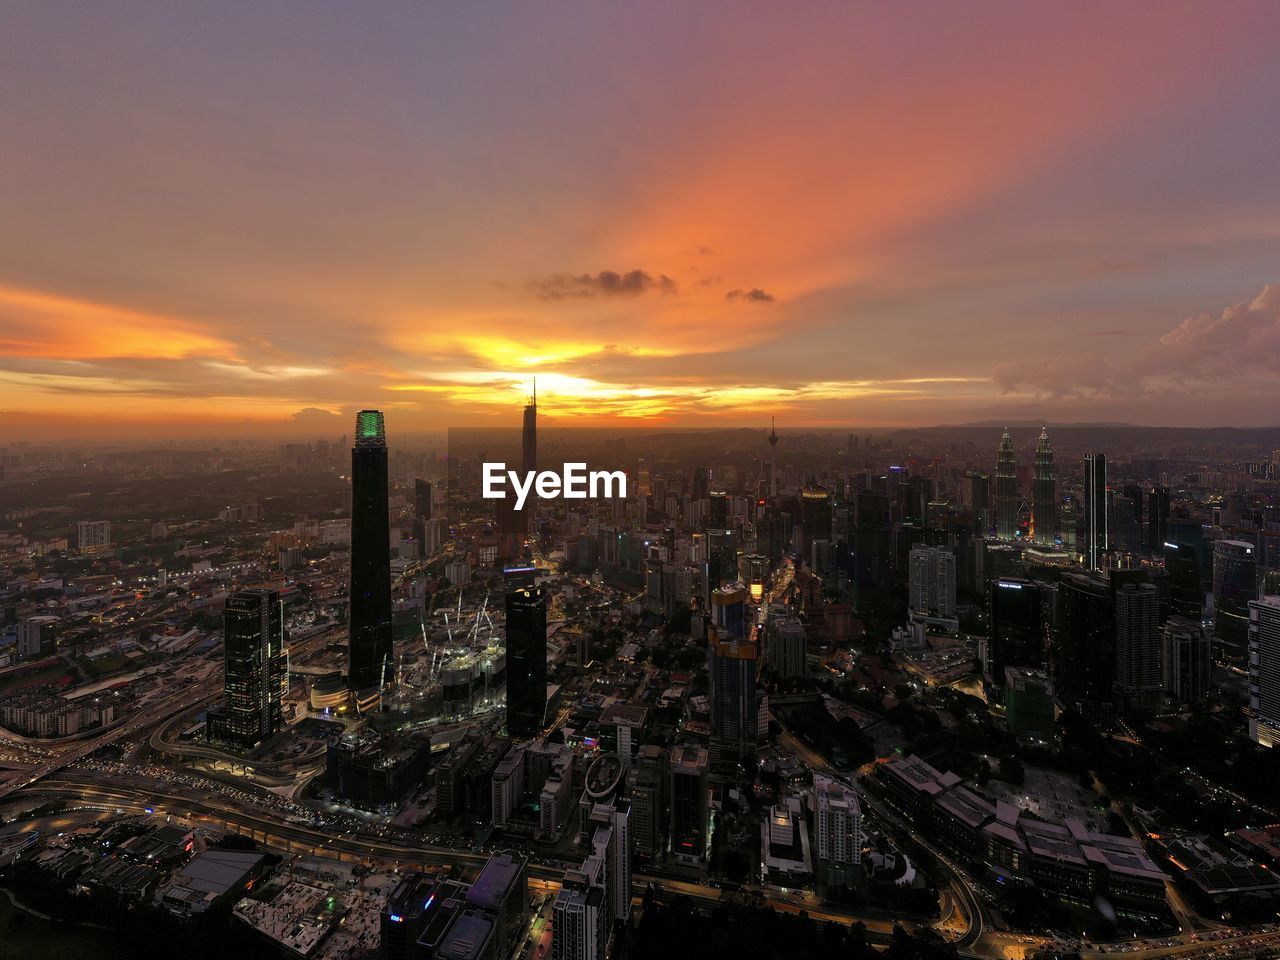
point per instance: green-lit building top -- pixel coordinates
(369, 427)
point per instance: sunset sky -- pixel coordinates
(259, 217)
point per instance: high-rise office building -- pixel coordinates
(729, 612)
(370, 663)
(717, 510)
(1186, 659)
(1235, 583)
(422, 499)
(1264, 671)
(255, 674)
(1097, 530)
(1085, 643)
(979, 501)
(1006, 489)
(1044, 494)
(932, 583)
(732, 665)
(786, 643)
(872, 540)
(1015, 626)
(838, 834)
(1157, 519)
(1138, 676)
(1186, 595)
(815, 516)
(701, 483)
(690, 801)
(526, 661)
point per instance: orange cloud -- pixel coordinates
(49, 326)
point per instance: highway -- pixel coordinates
(164, 708)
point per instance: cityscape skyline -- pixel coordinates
(601, 482)
(1061, 217)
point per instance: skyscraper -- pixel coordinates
(690, 803)
(1015, 631)
(1186, 659)
(1235, 583)
(254, 673)
(422, 499)
(1186, 596)
(1044, 494)
(1006, 490)
(980, 501)
(815, 515)
(932, 583)
(717, 510)
(732, 665)
(1157, 519)
(1085, 643)
(1138, 677)
(1097, 532)
(526, 661)
(370, 662)
(529, 460)
(1264, 671)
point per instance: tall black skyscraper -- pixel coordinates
(1085, 642)
(1097, 531)
(1015, 626)
(369, 657)
(1186, 593)
(255, 669)
(526, 661)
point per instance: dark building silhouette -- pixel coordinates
(717, 510)
(422, 499)
(1235, 583)
(1138, 677)
(514, 526)
(1186, 593)
(529, 461)
(1157, 519)
(872, 539)
(1097, 531)
(1015, 631)
(1085, 643)
(526, 661)
(255, 669)
(701, 483)
(369, 657)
